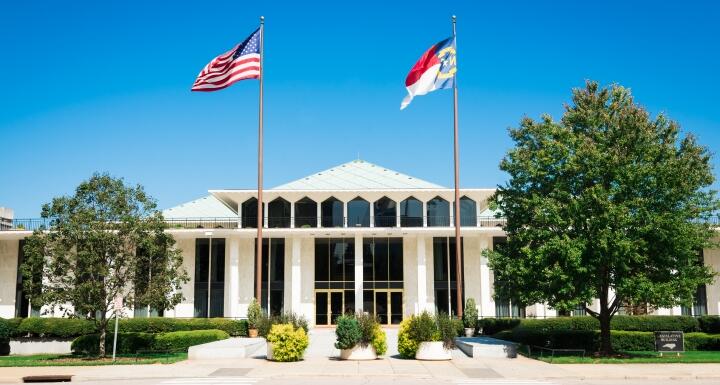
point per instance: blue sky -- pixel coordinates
(104, 86)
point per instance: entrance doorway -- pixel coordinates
(331, 304)
(385, 304)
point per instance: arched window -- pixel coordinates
(358, 213)
(332, 213)
(385, 212)
(249, 213)
(438, 212)
(468, 212)
(305, 213)
(279, 213)
(411, 213)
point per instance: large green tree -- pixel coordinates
(107, 241)
(609, 204)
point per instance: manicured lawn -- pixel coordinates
(694, 357)
(71, 360)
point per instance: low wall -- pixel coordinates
(26, 346)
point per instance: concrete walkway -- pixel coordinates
(321, 361)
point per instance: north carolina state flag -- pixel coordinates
(434, 71)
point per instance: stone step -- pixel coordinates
(229, 348)
(486, 347)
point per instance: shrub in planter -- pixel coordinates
(266, 322)
(407, 346)
(128, 343)
(358, 331)
(347, 332)
(286, 342)
(254, 314)
(709, 324)
(182, 340)
(470, 317)
(449, 328)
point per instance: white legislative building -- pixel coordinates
(356, 236)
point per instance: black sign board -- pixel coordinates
(668, 341)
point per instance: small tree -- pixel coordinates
(470, 315)
(606, 204)
(104, 242)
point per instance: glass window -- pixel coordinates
(445, 274)
(279, 213)
(358, 213)
(332, 214)
(411, 213)
(381, 259)
(395, 259)
(249, 213)
(438, 212)
(273, 269)
(385, 213)
(305, 213)
(334, 260)
(368, 258)
(468, 212)
(213, 270)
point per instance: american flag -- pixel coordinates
(241, 62)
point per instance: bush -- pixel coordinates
(254, 314)
(652, 323)
(379, 341)
(348, 332)
(702, 341)
(709, 324)
(265, 322)
(407, 346)
(182, 340)
(470, 315)
(424, 328)
(288, 342)
(628, 341)
(449, 328)
(492, 326)
(128, 343)
(233, 327)
(54, 327)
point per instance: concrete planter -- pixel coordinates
(252, 333)
(269, 355)
(432, 351)
(359, 353)
(469, 332)
(37, 345)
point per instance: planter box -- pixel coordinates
(432, 351)
(37, 345)
(358, 353)
(469, 332)
(269, 355)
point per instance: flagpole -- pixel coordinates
(258, 251)
(458, 244)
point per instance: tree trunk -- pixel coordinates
(605, 342)
(103, 334)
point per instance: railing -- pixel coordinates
(301, 222)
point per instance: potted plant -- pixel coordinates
(286, 343)
(359, 337)
(254, 314)
(425, 337)
(470, 317)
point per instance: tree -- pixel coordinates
(606, 204)
(104, 242)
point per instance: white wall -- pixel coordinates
(8, 276)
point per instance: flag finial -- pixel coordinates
(262, 19)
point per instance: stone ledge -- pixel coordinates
(229, 348)
(486, 347)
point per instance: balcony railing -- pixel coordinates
(300, 222)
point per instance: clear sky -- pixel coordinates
(105, 86)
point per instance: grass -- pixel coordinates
(73, 360)
(692, 357)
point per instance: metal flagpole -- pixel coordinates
(458, 245)
(258, 252)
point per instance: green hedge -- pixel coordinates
(686, 324)
(709, 324)
(128, 343)
(182, 340)
(131, 343)
(235, 328)
(702, 341)
(629, 341)
(54, 327)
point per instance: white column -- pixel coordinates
(239, 215)
(452, 214)
(397, 214)
(421, 275)
(292, 215)
(234, 279)
(345, 215)
(487, 305)
(358, 272)
(372, 214)
(424, 214)
(319, 214)
(295, 275)
(265, 214)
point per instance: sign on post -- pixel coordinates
(118, 306)
(669, 342)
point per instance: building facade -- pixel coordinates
(354, 237)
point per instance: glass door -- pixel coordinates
(386, 305)
(336, 306)
(331, 304)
